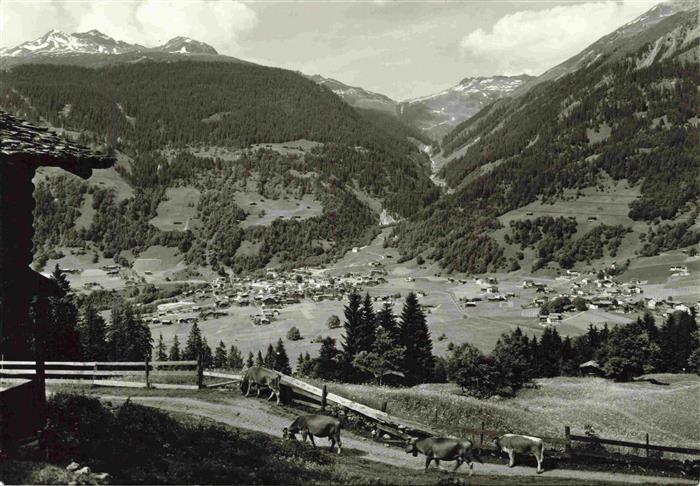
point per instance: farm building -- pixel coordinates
(590, 368)
(23, 149)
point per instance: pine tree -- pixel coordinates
(415, 338)
(353, 327)
(129, 337)
(270, 358)
(175, 350)
(161, 352)
(301, 365)
(207, 356)
(369, 325)
(62, 337)
(387, 321)
(220, 356)
(235, 360)
(678, 340)
(326, 365)
(194, 344)
(92, 330)
(259, 361)
(281, 359)
(249, 363)
(550, 353)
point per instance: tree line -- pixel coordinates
(621, 353)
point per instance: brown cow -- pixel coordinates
(262, 377)
(315, 425)
(444, 449)
(520, 444)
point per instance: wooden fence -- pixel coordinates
(99, 373)
(296, 390)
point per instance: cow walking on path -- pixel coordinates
(444, 449)
(514, 444)
(315, 425)
(262, 377)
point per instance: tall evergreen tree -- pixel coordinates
(62, 337)
(550, 353)
(194, 344)
(93, 334)
(207, 355)
(415, 338)
(326, 365)
(387, 321)
(234, 360)
(678, 340)
(352, 339)
(129, 337)
(175, 350)
(282, 359)
(161, 351)
(220, 356)
(369, 325)
(259, 360)
(270, 358)
(250, 361)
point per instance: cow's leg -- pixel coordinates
(277, 395)
(540, 460)
(428, 458)
(272, 394)
(511, 458)
(311, 438)
(250, 384)
(437, 463)
(304, 434)
(258, 387)
(459, 463)
(337, 439)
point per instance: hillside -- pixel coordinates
(219, 137)
(357, 97)
(626, 117)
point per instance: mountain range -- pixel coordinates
(618, 119)
(57, 43)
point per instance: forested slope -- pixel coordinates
(634, 118)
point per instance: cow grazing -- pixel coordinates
(520, 444)
(315, 425)
(262, 377)
(444, 449)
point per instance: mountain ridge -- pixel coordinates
(59, 43)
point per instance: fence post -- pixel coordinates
(567, 436)
(200, 371)
(481, 436)
(384, 404)
(148, 381)
(647, 441)
(324, 397)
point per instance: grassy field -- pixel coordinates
(614, 410)
(177, 211)
(263, 211)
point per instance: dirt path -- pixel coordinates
(261, 416)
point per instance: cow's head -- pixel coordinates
(497, 444)
(411, 446)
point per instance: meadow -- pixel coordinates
(627, 411)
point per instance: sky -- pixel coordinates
(402, 49)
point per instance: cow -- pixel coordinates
(520, 444)
(443, 449)
(315, 425)
(260, 377)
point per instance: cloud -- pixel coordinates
(531, 42)
(147, 22)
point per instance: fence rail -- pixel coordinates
(634, 445)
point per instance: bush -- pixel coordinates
(333, 322)
(420, 260)
(293, 334)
